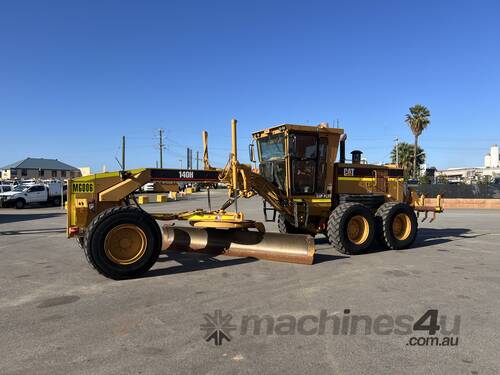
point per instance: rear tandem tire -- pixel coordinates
(351, 228)
(122, 242)
(397, 225)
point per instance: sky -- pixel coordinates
(76, 76)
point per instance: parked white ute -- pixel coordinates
(23, 195)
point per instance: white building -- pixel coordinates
(30, 168)
(491, 159)
(468, 174)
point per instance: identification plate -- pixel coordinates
(82, 187)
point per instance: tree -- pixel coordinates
(417, 120)
(441, 179)
(405, 157)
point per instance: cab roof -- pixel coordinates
(299, 128)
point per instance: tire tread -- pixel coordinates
(95, 224)
(383, 215)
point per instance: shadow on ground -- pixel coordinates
(425, 237)
(320, 258)
(193, 262)
(197, 261)
(32, 231)
(437, 236)
(12, 218)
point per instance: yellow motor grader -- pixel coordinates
(302, 185)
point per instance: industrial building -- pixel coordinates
(491, 168)
(491, 158)
(39, 168)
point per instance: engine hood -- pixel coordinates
(9, 194)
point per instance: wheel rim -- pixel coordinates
(401, 227)
(125, 244)
(358, 229)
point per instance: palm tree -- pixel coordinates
(417, 119)
(405, 157)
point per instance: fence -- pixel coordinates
(477, 191)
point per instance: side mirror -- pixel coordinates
(251, 152)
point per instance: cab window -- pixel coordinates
(303, 146)
(272, 147)
(36, 188)
(321, 173)
(303, 154)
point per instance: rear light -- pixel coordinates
(73, 230)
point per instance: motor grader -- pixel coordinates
(302, 185)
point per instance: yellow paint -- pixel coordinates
(214, 217)
(125, 244)
(401, 226)
(93, 177)
(367, 179)
(161, 198)
(173, 195)
(189, 190)
(120, 190)
(82, 187)
(358, 229)
(314, 200)
(81, 203)
(143, 199)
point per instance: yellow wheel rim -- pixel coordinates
(358, 229)
(401, 227)
(125, 244)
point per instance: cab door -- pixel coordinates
(303, 159)
(36, 194)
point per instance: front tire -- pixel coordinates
(351, 228)
(122, 242)
(80, 241)
(20, 203)
(397, 225)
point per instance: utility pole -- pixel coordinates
(123, 152)
(397, 151)
(197, 160)
(189, 159)
(161, 148)
(180, 161)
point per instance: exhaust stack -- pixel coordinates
(343, 138)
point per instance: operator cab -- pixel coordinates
(298, 159)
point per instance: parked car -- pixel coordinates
(5, 188)
(22, 195)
